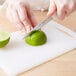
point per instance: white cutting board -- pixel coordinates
(18, 57)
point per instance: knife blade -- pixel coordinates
(40, 25)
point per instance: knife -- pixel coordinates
(40, 25)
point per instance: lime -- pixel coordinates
(36, 38)
(4, 38)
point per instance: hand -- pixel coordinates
(62, 7)
(20, 13)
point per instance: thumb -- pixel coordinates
(52, 8)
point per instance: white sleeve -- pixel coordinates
(35, 4)
(39, 4)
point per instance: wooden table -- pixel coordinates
(64, 65)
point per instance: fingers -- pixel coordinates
(12, 15)
(61, 13)
(31, 16)
(52, 8)
(65, 8)
(24, 17)
(62, 7)
(18, 22)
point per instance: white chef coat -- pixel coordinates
(35, 4)
(39, 4)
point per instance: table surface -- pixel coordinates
(64, 65)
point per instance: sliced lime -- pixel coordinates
(4, 38)
(36, 38)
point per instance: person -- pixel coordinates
(20, 11)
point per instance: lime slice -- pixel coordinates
(4, 38)
(36, 38)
